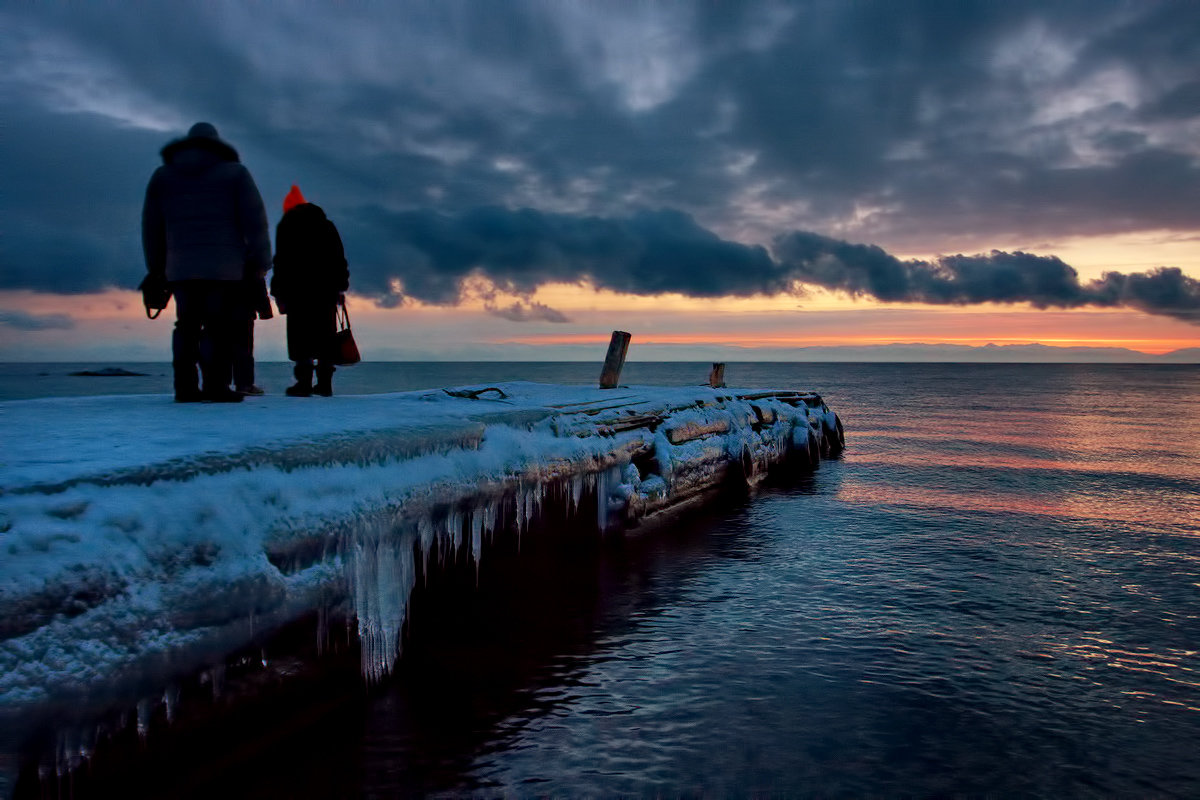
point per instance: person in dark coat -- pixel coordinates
(205, 232)
(309, 282)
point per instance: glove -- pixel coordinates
(156, 293)
(262, 304)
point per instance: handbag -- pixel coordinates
(345, 350)
(156, 293)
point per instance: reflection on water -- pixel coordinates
(1154, 510)
(992, 592)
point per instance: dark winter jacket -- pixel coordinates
(203, 218)
(310, 263)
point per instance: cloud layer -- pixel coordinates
(922, 126)
(997, 277)
(432, 255)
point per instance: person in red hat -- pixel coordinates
(310, 279)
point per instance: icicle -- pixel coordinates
(143, 717)
(425, 537)
(66, 752)
(218, 680)
(576, 492)
(602, 499)
(454, 525)
(87, 742)
(476, 539)
(171, 701)
(520, 501)
(489, 517)
(383, 572)
(541, 496)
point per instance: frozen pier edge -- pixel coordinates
(141, 540)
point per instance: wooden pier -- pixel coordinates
(342, 522)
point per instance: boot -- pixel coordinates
(187, 383)
(324, 385)
(303, 386)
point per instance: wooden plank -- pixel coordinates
(591, 402)
(694, 430)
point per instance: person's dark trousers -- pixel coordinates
(310, 329)
(208, 314)
(243, 356)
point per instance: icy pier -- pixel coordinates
(142, 541)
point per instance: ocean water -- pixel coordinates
(994, 590)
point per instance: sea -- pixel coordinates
(994, 591)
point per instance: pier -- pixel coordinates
(149, 543)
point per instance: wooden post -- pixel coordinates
(615, 360)
(716, 378)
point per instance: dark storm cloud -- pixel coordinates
(24, 321)
(907, 124)
(667, 251)
(73, 229)
(998, 277)
(651, 252)
(1181, 102)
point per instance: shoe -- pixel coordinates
(298, 390)
(323, 389)
(253, 390)
(188, 396)
(222, 395)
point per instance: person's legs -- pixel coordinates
(218, 340)
(185, 341)
(304, 385)
(243, 351)
(324, 326)
(300, 350)
(324, 385)
(243, 358)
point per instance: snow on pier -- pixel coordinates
(142, 540)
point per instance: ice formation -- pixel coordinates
(142, 540)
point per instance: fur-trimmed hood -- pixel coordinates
(203, 217)
(204, 141)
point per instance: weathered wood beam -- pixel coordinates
(678, 434)
(716, 377)
(618, 346)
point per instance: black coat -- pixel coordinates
(203, 217)
(310, 263)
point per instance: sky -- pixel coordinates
(738, 180)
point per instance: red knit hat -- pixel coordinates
(293, 199)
